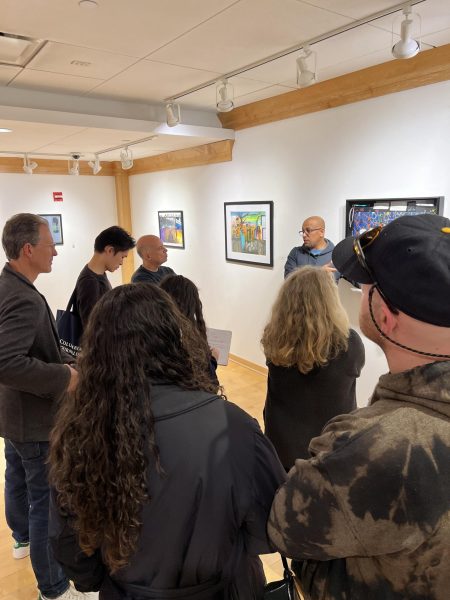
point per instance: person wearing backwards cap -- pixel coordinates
(368, 515)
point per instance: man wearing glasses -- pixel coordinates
(316, 249)
(368, 516)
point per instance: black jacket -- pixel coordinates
(206, 521)
(299, 405)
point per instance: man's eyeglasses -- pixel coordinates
(309, 230)
(362, 242)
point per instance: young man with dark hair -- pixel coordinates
(110, 248)
(368, 515)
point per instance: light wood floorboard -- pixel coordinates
(243, 386)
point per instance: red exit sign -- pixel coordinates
(57, 196)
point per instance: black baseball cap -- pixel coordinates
(410, 262)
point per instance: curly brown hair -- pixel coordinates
(308, 325)
(103, 441)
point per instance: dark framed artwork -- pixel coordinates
(365, 214)
(249, 232)
(55, 225)
(171, 228)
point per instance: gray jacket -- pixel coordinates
(32, 376)
(300, 256)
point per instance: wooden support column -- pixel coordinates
(123, 207)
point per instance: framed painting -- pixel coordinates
(249, 232)
(55, 225)
(171, 228)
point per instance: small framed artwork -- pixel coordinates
(249, 232)
(171, 228)
(55, 225)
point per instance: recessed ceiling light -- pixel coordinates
(88, 3)
(5, 130)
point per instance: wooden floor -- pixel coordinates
(245, 387)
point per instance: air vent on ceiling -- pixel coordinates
(18, 50)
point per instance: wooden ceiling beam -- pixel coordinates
(430, 66)
(189, 157)
(207, 154)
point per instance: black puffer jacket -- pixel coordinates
(206, 522)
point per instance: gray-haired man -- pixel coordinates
(33, 377)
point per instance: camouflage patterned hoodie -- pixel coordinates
(368, 516)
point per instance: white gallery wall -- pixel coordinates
(394, 146)
(88, 207)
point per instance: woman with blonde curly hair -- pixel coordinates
(313, 358)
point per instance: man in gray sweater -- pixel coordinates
(34, 373)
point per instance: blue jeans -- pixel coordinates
(26, 507)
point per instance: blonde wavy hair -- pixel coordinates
(308, 325)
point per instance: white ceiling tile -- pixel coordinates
(62, 58)
(28, 137)
(151, 81)
(356, 9)
(54, 82)
(437, 39)
(355, 64)
(8, 73)
(134, 27)
(249, 31)
(95, 139)
(263, 94)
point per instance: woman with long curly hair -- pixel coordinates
(314, 359)
(185, 294)
(161, 487)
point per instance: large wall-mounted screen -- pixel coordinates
(362, 215)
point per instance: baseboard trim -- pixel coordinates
(248, 364)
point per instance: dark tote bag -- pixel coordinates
(69, 327)
(284, 589)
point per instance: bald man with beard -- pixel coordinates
(315, 251)
(153, 253)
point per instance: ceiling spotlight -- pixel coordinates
(5, 130)
(126, 158)
(28, 166)
(407, 47)
(306, 67)
(95, 165)
(224, 96)
(172, 113)
(74, 164)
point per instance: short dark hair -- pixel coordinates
(19, 230)
(116, 237)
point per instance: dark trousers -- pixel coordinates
(26, 507)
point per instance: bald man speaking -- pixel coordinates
(153, 253)
(316, 249)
